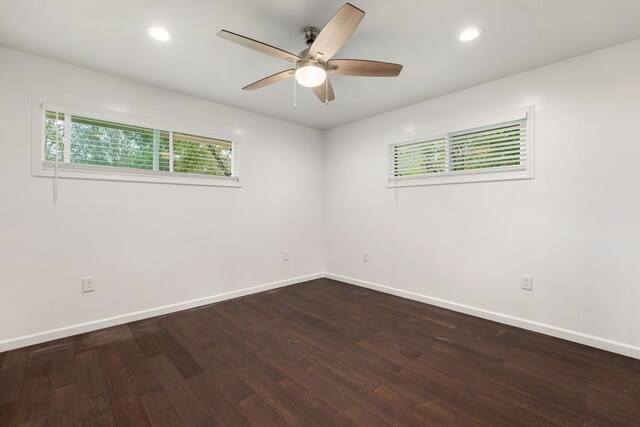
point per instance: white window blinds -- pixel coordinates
(495, 147)
(82, 143)
(500, 148)
(195, 154)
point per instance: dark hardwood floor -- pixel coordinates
(317, 354)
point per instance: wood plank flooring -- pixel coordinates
(320, 353)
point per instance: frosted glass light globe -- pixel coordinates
(310, 76)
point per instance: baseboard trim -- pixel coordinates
(578, 337)
(569, 335)
(67, 331)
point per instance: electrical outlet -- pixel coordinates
(365, 256)
(88, 284)
(526, 282)
(285, 255)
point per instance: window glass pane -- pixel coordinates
(101, 143)
(492, 148)
(420, 158)
(200, 155)
(53, 136)
(114, 145)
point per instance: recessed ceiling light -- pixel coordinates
(469, 34)
(159, 33)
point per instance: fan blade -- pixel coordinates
(274, 78)
(324, 92)
(259, 46)
(360, 67)
(336, 32)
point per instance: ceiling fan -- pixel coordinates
(314, 63)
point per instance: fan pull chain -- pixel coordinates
(295, 94)
(326, 91)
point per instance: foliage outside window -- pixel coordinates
(497, 151)
(75, 140)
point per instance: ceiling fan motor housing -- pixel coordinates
(307, 61)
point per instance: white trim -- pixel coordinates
(554, 331)
(442, 131)
(37, 135)
(40, 168)
(460, 178)
(108, 173)
(67, 331)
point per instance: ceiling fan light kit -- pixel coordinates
(311, 75)
(314, 64)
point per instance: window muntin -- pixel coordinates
(498, 149)
(85, 143)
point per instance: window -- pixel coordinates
(80, 146)
(490, 149)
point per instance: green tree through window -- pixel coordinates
(492, 147)
(109, 144)
(206, 156)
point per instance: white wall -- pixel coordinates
(575, 227)
(148, 245)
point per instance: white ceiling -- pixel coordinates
(518, 35)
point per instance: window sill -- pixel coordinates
(66, 171)
(459, 178)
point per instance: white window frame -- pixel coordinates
(480, 175)
(42, 168)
